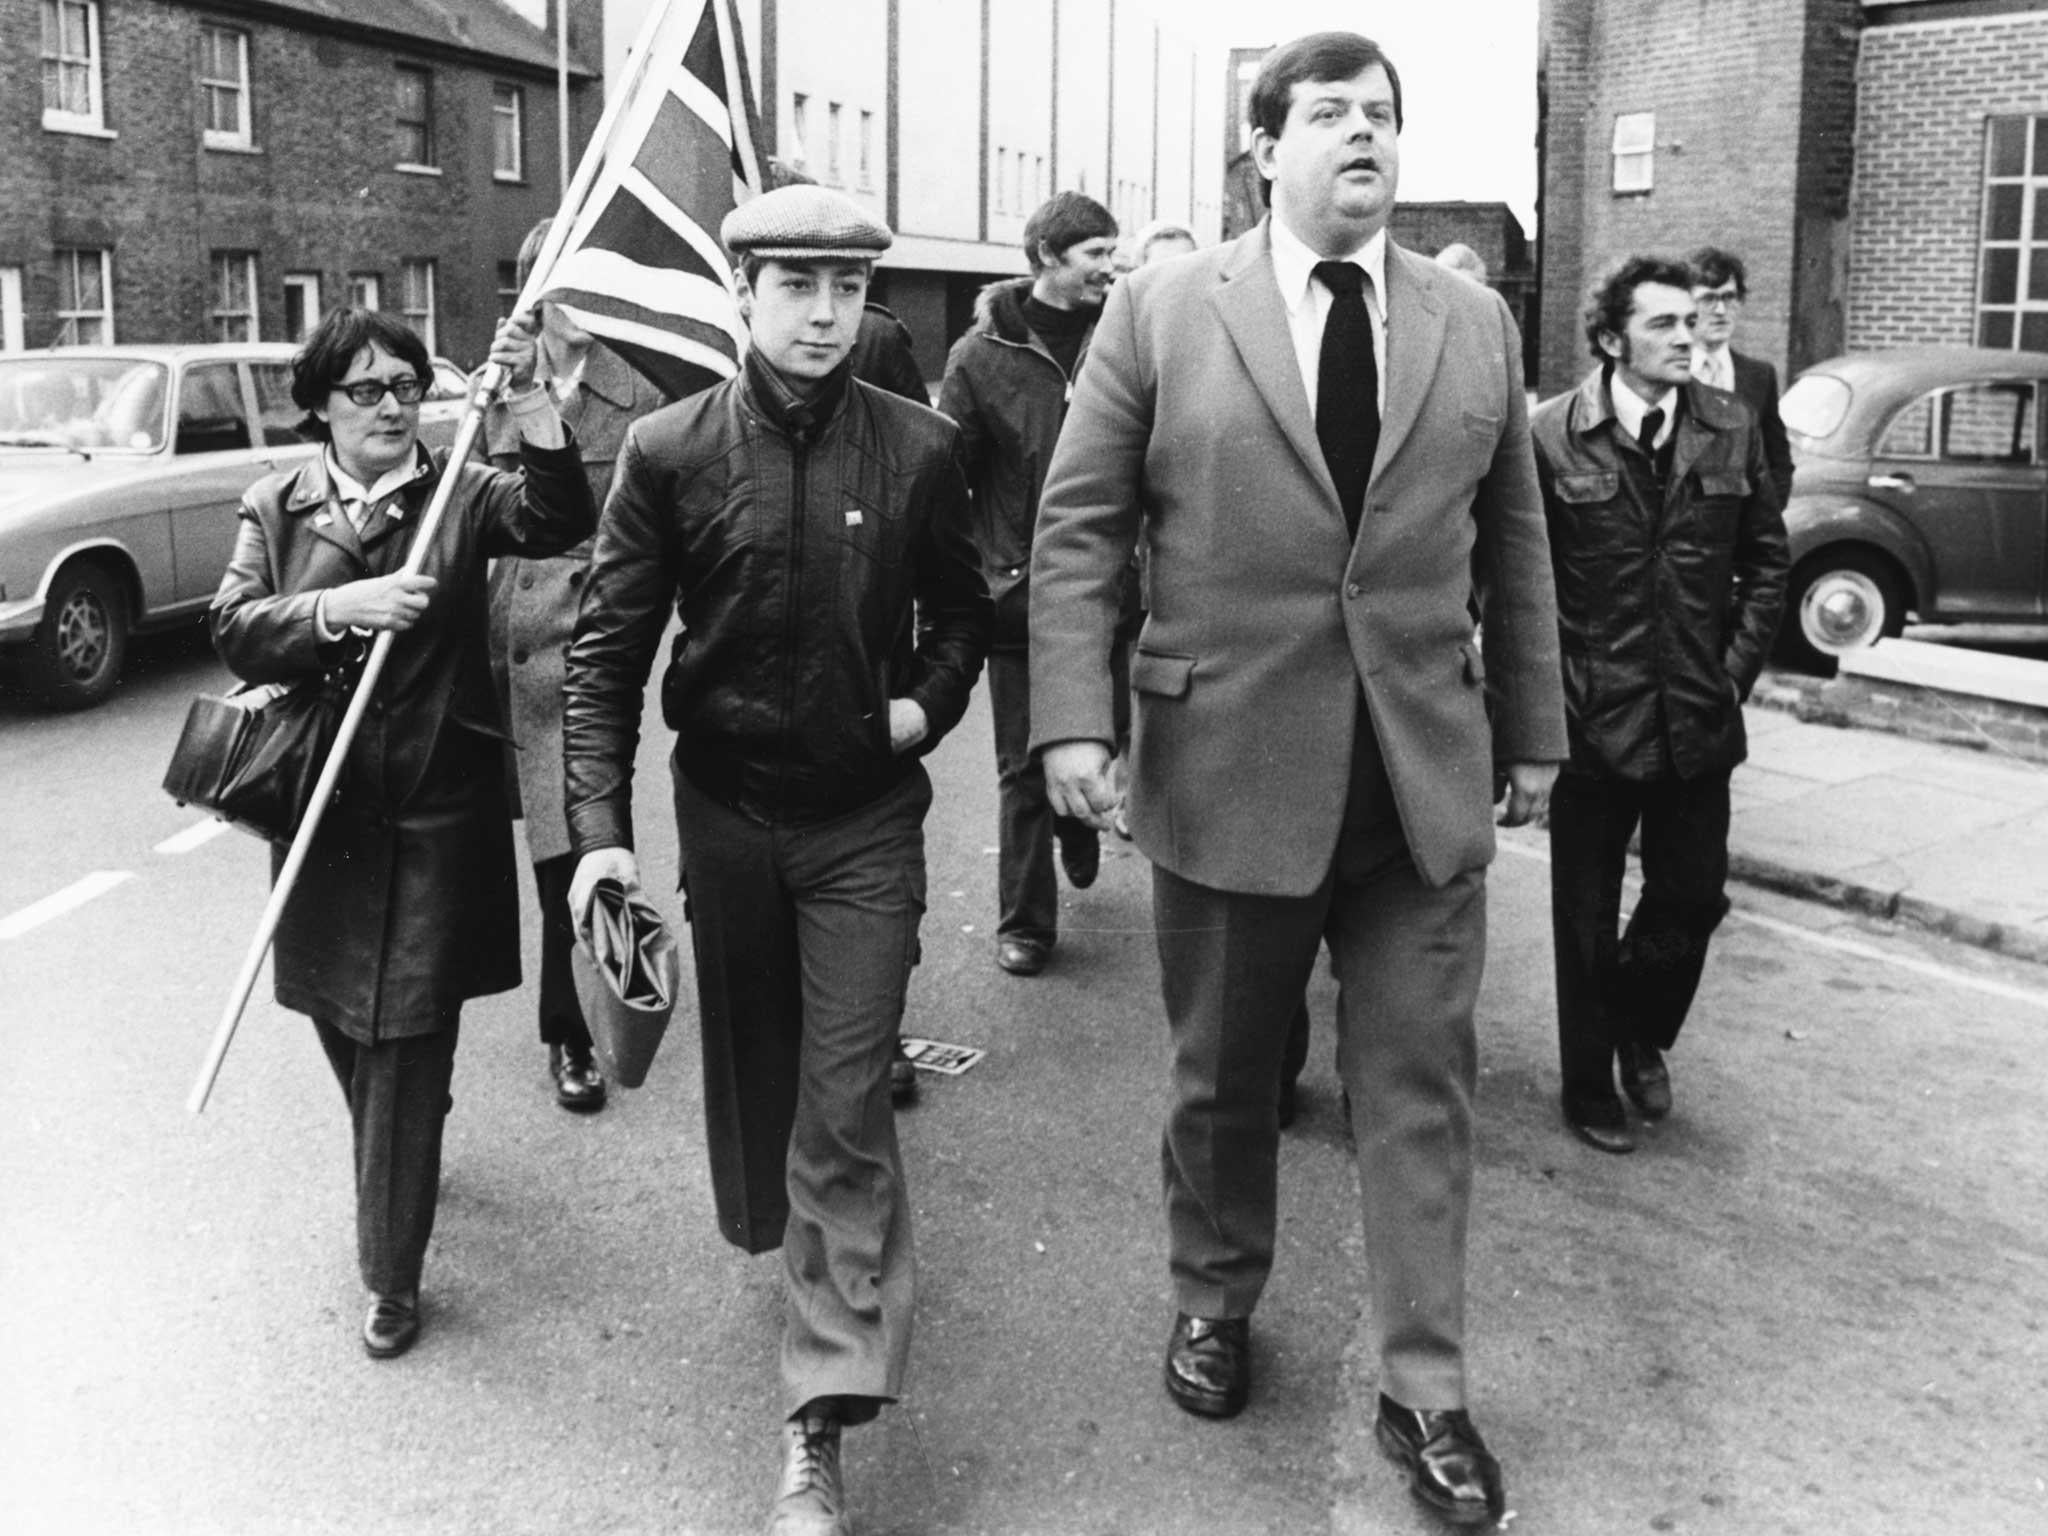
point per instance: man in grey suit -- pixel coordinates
(1323, 441)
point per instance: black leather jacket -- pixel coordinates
(796, 545)
(1665, 612)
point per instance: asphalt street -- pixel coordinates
(1814, 1301)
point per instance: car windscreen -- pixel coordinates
(97, 404)
(1814, 406)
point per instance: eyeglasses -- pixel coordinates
(1718, 298)
(409, 390)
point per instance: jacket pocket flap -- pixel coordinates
(1599, 485)
(1167, 676)
(1726, 482)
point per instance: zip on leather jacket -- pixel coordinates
(820, 568)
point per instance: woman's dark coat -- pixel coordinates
(408, 902)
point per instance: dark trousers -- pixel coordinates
(1615, 987)
(1408, 962)
(1026, 892)
(804, 940)
(561, 1014)
(397, 1096)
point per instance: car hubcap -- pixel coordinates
(1843, 611)
(82, 635)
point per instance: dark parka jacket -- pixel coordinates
(408, 903)
(1009, 395)
(819, 568)
(1665, 613)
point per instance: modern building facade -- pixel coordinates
(228, 170)
(1880, 165)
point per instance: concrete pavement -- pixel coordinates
(1920, 832)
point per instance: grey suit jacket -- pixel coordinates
(1269, 626)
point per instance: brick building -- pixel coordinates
(1868, 159)
(181, 172)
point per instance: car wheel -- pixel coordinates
(83, 640)
(1840, 600)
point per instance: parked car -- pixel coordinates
(1920, 487)
(120, 472)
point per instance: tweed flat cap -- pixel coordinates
(804, 223)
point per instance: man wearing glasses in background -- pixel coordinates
(1720, 284)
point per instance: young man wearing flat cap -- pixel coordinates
(809, 530)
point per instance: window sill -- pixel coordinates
(83, 127)
(504, 180)
(416, 170)
(231, 146)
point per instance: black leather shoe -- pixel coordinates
(1449, 1467)
(1646, 1080)
(579, 1086)
(1601, 1127)
(392, 1325)
(1020, 957)
(1209, 1364)
(902, 1079)
(1081, 858)
(1290, 1102)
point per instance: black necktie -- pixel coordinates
(1347, 388)
(1646, 434)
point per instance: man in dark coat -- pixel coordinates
(809, 528)
(1720, 287)
(1007, 384)
(1670, 557)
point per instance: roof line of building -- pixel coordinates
(1924, 14)
(308, 18)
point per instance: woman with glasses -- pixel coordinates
(407, 905)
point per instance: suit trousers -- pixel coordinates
(1408, 959)
(804, 938)
(1615, 987)
(1027, 894)
(397, 1097)
(561, 1011)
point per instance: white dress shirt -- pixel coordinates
(1630, 408)
(1716, 367)
(1308, 301)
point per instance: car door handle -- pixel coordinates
(1890, 482)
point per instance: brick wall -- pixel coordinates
(319, 193)
(1923, 94)
(1728, 80)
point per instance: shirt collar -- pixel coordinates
(1630, 408)
(1713, 364)
(1294, 264)
(348, 488)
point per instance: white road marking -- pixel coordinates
(1847, 946)
(77, 894)
(197, 835)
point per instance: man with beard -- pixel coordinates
(1007, 384)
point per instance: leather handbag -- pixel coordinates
(253, 757)
(626, 972)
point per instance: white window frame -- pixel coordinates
(93, 120)
(420, 318)
(833, 114)
(365, 290)
(221, 314)
(430, 165)
(307, 286)
(13, 329)
(503, 93)
(70, 256)
(867, 150)
(1635, 151)
(241, 136)
(800, 127)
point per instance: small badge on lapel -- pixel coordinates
(323, 519)
(853, 517)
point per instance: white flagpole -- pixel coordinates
(488, 384)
